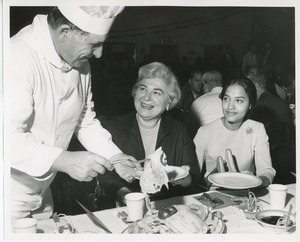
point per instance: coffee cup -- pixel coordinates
(277, 196)
(135, 205)
(25, 225)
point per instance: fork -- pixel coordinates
(124, 160)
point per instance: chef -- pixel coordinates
(50, 99)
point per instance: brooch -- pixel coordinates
(249, 130)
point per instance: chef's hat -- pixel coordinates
(92, 19)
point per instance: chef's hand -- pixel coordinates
(184, 182)
(81, 165)
(128, 169)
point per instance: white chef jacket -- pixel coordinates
(208, 107)
(48, 101)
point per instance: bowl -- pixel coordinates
(268, 219)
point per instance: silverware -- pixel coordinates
(261, 200)
(230, 161)
(124, 160)
(220, 164)
(95, 220)
(288, 219)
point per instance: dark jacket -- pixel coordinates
(175, 142)
(271, 108)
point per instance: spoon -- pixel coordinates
(288, 219)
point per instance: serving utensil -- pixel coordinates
(124, 160)
(95, 220)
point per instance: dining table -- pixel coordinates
(234, 218)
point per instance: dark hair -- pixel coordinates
(248, 86)
(195, 72)
(55, 19)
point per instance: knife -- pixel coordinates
(95, 220)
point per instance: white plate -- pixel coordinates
(259, 216)
(234, 180)
(174, 173)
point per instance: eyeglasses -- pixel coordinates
(214, 202)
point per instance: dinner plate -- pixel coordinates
(268, 215)
(234, 180)
(174, 173)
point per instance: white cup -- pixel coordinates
(135, 205)
(25, 225)
(277, 196)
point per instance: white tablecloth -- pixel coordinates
(235, 220)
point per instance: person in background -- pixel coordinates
(251, 70)
(277, 118)
(280, 80)
(140, 133)
(228, 63)
(247, 139)
(268, 57)
(250, 57)
(191, 91)
(208, 107)
(269, 107)
(49, 98)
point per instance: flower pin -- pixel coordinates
(249, 130)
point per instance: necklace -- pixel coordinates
(148, 130)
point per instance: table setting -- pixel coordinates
(233, 218)
(235, 205)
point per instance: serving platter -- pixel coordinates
(213, 220)
(174, 173)
(234, 180)
(220, 229)
(266, 219)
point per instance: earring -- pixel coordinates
(168, 107)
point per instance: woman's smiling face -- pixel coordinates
(151, 98)
(235, 106)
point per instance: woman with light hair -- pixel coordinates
(140, 133)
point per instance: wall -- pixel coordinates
(192, 28)
(189, 28)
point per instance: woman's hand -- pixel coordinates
(265, 182)
(184, 182)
